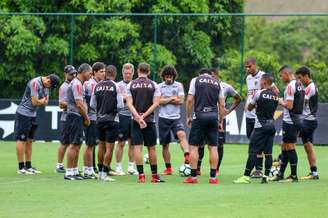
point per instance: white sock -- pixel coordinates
(58, 165)
(90, 170)
(76, 171)
(118, 165)
(69, 172)
(131, 164)
(86, 170)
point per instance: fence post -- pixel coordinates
(154, 67)
(242, 50)
(71, 39)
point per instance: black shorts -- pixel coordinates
(64, 133)
(146, 136)
(261, 140)
(166, 127)
(222, 135)
(75, 129)
(108, 131)
(90, 133)
(289, 133)
(307, 130)
(249, 126)
(204, 130)
(124, 128)
(25, 127)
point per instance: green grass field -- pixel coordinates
(49, 195)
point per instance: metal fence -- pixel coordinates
(241, 35)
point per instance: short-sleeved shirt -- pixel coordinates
(170, 111)
(143, 90)
(89, 87)
(75, 92)
(294, 91)
(311, 102)
(253, 84)
(266, 101)
(35, 88)
(63, 98)
(123, 86)
(207, 92)
(228, 90)
(107, 100)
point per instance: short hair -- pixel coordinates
(169, 70)
(286, 68)
(303, 71)
(214, 71)
(111, 71)
(127, 66)
(98, 66)
(251, 60)
(268, 78)
(144, 68)
(84, 68)
(205, 70)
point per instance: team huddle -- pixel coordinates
(101, 112)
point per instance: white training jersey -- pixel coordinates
(311, 102)
(253, 85)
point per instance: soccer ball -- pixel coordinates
(146, 158)
(185, 170)
(274, 171)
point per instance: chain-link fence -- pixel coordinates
(41, 43)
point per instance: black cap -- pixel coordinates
(70, 69)
(54, 80)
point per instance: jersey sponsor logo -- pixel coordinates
(142, 85)
(105, 88)
(268, 96)
(209, 81)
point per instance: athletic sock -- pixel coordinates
(284, 162)
(293, 159)
(268, 164)
(105, 169)
(118, 165)
(193, 173)
(199, 164)
(21, 165)
(85, 170)
(69, 172)
(76, 171)
(314, 170)
(59, 165)
(250, 164)
(28, 164)
(153, 169)
(140, 169)
(186, 157)
(168, 165)
(259, 163)
(220, 153)
(213, 173)
(100, 167)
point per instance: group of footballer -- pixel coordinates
(100, 111)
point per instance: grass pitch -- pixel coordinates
(49, 195)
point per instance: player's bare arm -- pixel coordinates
(83, 112)
(39, 102)
(152, 108)
(236, 102)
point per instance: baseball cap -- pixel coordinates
(70, 69)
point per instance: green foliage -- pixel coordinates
(295, 41)
(33, 46)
